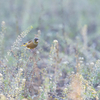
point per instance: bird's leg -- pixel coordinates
(33, 50)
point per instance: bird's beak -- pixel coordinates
(37, 41)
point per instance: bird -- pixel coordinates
(32, 43)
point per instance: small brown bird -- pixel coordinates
(31, 44)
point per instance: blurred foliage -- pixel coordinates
(70, 63)
(52, 17)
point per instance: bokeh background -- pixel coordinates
(75, 24)
(57, 19)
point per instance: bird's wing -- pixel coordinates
(30, 41)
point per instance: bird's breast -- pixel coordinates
(31, 45)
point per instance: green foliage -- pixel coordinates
(66, 62)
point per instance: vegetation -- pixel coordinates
(65, 65)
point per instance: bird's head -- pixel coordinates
(36, 40)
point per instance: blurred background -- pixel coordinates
(75, 24)
(57, 19)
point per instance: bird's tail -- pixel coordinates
(24, 44)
